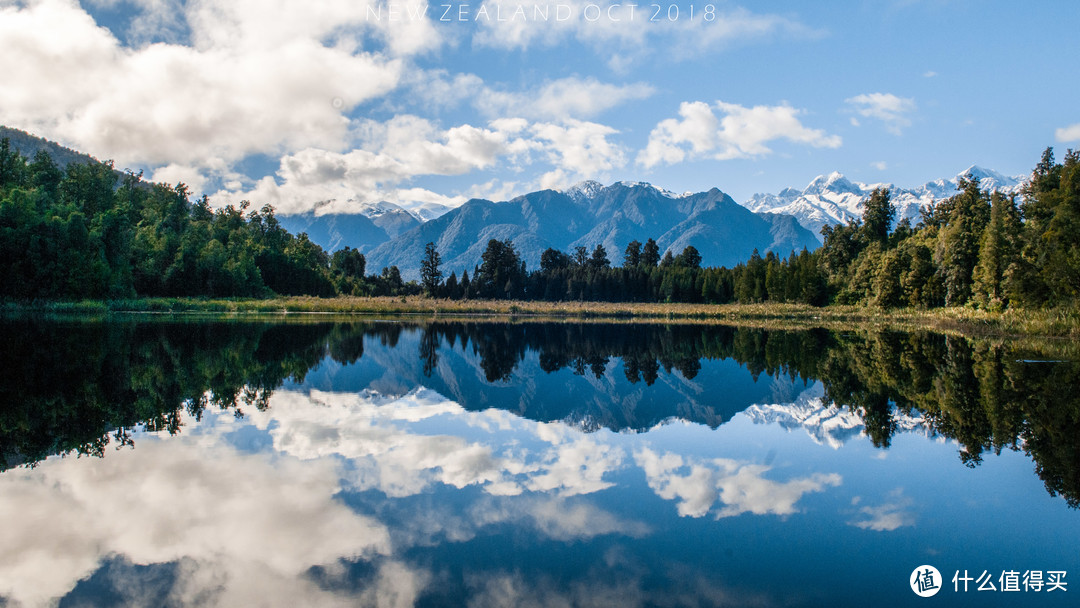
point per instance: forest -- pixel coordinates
(88, 231)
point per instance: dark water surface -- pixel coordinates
(388, 463)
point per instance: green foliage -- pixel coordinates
(632, 255)
(87, 232)
(430, 275)
(502, 274)
(973, 248)
(650, 254)
(878, 215)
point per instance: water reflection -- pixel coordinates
(498, 464)
(97, 380)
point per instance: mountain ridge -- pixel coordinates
(834, 199)
(724, 232)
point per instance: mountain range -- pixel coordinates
(826, 423)
(590, 214)
(833, 199)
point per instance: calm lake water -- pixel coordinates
(390, 463)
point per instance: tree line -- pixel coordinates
(89, 231)
(975, 248)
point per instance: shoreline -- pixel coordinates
(1049, 323)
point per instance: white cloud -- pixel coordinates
(256, 77)
(1068, 134)
(886, 107)
(157, 21)
(196, 502)
(572, 97)
(363, 428)
(405, 147)
(739, 132)
(740, 487)
(929, 74)
(396, 151)
(579, 150)
(886, 517)
(880, 165)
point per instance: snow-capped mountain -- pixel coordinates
(833, 199)
(826, 423)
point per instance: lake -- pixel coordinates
(473, 463)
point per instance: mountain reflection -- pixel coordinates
(75, 387)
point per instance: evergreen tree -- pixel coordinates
(553, 259)
(689, 258)
(650, 254)
(581, 256)
(430, 275)
(958, 248)
(599, 259)
(632, 255)
(997, 252)
(878, 215)
(502, 273)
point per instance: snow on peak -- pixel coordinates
(584, 190)
(989, 178)
(833, 199)
(826, 423)
(834, 182)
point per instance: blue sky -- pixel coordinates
(345, 101)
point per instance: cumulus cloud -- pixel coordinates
(392, 459)
(203, 505)
(578, 150)
(739, 132)
(1068, 134)
(255, 77)
(394, 152)
(886, 107)
(738, 486)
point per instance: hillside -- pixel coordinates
(28, 145)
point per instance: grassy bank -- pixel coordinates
(1053, 322)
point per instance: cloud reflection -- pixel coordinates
(740, 487)
(244, 528)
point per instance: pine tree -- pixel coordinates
(878, 215)
(599, 258)
(997, 252)
(650, 254)
(632, 255)
(430, 275)
(958, 248)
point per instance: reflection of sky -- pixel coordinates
(366, 498)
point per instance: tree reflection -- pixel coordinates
(79, 387)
